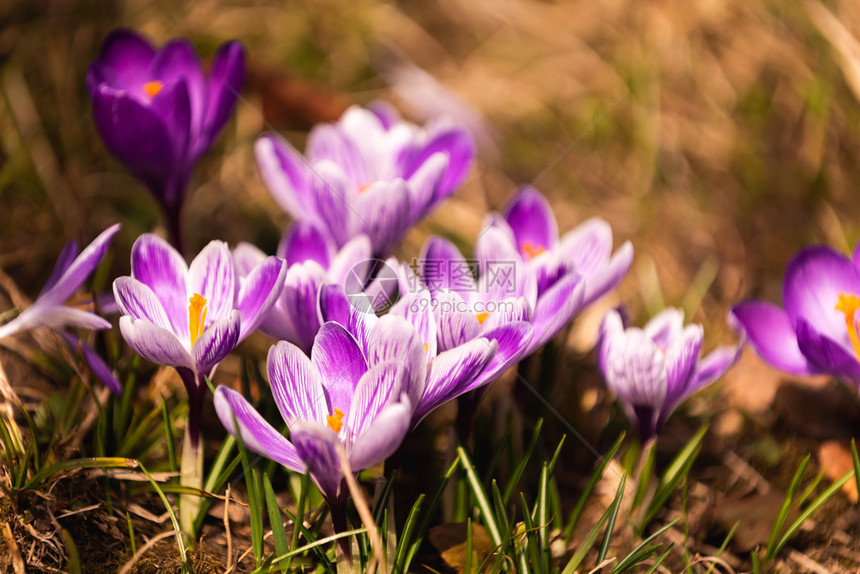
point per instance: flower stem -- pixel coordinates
(191, 468)
(337, 507)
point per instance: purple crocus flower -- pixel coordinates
(653, 370)
(367, 174)
(338, 400)
(817, 332)
(50, 309)
(157, 112)
(71, 270)
(191, 318)
(529, 229)
(312, 262)
(504, 291)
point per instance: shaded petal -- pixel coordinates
(138, 300)
(67, 255)
(531, 219)
(216, 342)
(259, 292)
(156, 264)
(317, 445)
(286, 176)
(382, 437)
(395, 339)
(513, 342)
(555, 308)
(607, 278)
(814, 279)
(305, 242)
(424, 184)
(340, 363)
(587, 246)
(123, 62)
(455, 320)
(213, 276)
(452, 374)
(681, 361)
(458, 145)
(257, 434)
(328, 142)
(353, 257)
(223, 87)
(330, 197)
(826, 355)
(714, 365)
(300, 299)
(296, 384)
(383, 211)
(97, 365)
(77, 271)
(379, 386)
(334, 306)
(444, 267)
(771, 334)
(178, 62)
(153, 343)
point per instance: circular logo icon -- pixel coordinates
(371, 285)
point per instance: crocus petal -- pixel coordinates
(340, 363)
(257, 434)
(665, 327)
(328, 142)
(814, 279)
(285, 174)
(382, 437)
(54, 317)
(513, 342)
(296, 384)
(769, 331)
(455, 321)
(317, 445)
(681, 360)
(826, 355)
(444, 267)
(123, 61)
(395, 339)
(383, 210)
(333, 305)
(300, 299)
(459, 146)
(714, 365)
(97, 365)
(452, 374)
(588, 246)
(555, 308)
(153, 343)
(329, 189)
(610, 331)
(138, 300)
(216, 342)
(353, 257)
(178, 62)
(65, 259)
(156, 264)
(377, 388)
(223, 87)
(417, 308)
(305, 242)
(855, 256)
(246, 257)
(259, 292)
(609, 276)
(636, 370)
(423, 185)
(532, 221)
(77, 272)
(213, 276)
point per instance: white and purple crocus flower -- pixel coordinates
(313, 261)
(653, 370)
(157, 111)
(817, 331)
(371, 174)
(52, 310)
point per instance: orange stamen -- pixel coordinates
(152, 88)
(364, 187)
(532, 249)
(335, 420)
(196, 316)
(481, 317)
(848, 304)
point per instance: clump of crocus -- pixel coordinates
(158, 112)
(527, 231)
(653, 370)
(817, 331)
(367, 174)
(337, 404)
(51, 308)
(312, 262)
(191, 318)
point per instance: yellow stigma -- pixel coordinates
(481, 317)
(152, 88)
(335, 420)
(848, 304)
(196, 316)
(363, 187)
(532, 249)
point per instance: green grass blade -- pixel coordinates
(382, 503)
(179, 542)
(499, 507)
(255, 500)
(787, 503)
(521, 466)
(76, 463)
(299, 518)
(592, 483)
(810, 510)
(556, 454)
(404, 542)
(169, 437)
(586, 544)
(319, 542)
(725, 544)
(642, 550)
(673, 476)
(477, 489)
(610, 523)
(644, 478)
(541, 515)
(74, 562)
(279, 534)
(856, 460)
(530, 537)
(661, 558)
(468, 567)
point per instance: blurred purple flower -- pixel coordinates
(817, 332)
(337, 399)
(71, 270)
(528, 227)
(158, 112)
(160, 325)
(504, 292)
(312, 262)
(368, 174)
(98, 367)
(653, 370)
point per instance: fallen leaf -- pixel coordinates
(835, 460)
(450, 540)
